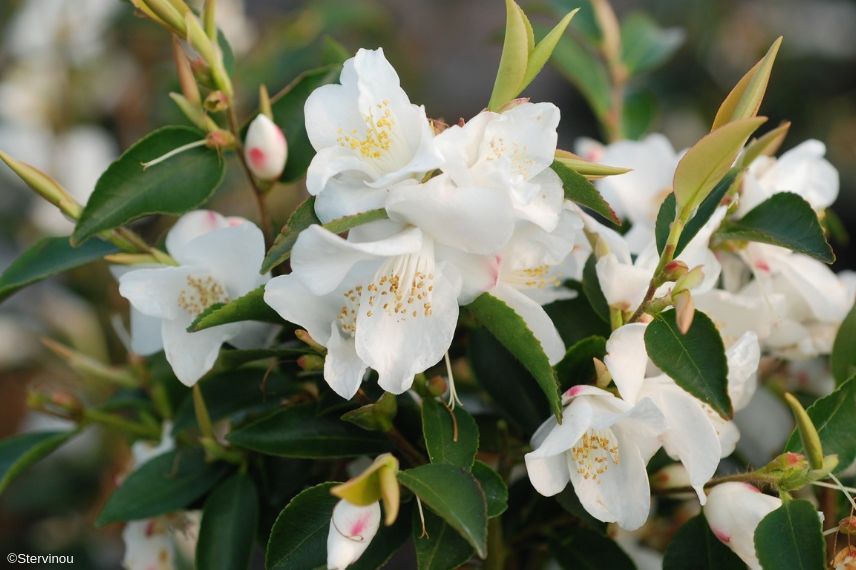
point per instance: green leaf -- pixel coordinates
(442, 548)
(745, 99)
(695, 360)
(228, 528)
(785, 219)
(303, 217)
(707, 161)
(541, 53)
(842, 362)
(20, 451)
(514, 58)
(579, 190)
(495, 490)
(235, 392)
(249, 307)
(582, 67)
(645, 45)
(447, 441)
(287, 107)
(694, 547)
(455, 496)
(668, 209)
(835, 421)
(577, 366)
(166, 483)
(791, 538)
(586, 548)
(507, 382)
(47, 257)
(640, 110)
(298, 432)
(298, 538)
(511, 330)
(126, 191)
(592, 290)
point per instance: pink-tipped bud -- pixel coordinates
(265, 149)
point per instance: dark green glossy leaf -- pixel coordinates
(287, 107)
(298, 539)
(449, 441)
(244, 390)
(298, 432)
(249, 307)
(592, 290)
(511, 330)
(790, 538)
(785, 219)
(694, 547)
(126, 192)
(49, 256)
(667, 212)
(455, 496)
(228, 529)
(20, 451)
(587, 549)
(843, 358)
(507, 382)
(442, 548)
(579, 190)
(835, 420)
(303, 217)
(695, 360)
(577, 366)
(166, 483)
(495, 490)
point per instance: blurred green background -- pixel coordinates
(82, 79)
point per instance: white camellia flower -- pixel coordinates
(801, 170)
(352, 529)
(215, 266)
(510, 151)
(367, 136)
(265, 148)
(636, 195)
(694, 433)
(733, 511)
(379, 299)
(602, 447)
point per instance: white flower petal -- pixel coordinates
(233, 256)
(289, 297)
(189, 227)
(343, 369)
(347, 195)
(191, 355)
(627, 359)
(154, 292)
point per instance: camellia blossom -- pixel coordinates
(733, 511)
(265, 149)
(602, 447)
(367, 135)
(693, 433)
(383, 303)
(219, 260)
(352, 529)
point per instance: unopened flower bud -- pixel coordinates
(437, 386)
(674, 270)
(790, 470)
(690, 280)
(602, 375)
(733, 511)
(311, 362)
(44, 185)
(847, 525)
(220, 140)
(216, 102)
(352, 529)
(265, 149)
(304, 336)
(684, 310)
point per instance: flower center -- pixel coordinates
(378, 136)
(595, 452)
(403, 287)
(538, 277)
(347, 316)
(518, 156)
(199, 293)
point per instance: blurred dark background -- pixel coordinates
(80, 80)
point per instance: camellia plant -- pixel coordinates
(466, 347)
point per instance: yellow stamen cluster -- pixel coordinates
(378, 136)
(200, 293)
(537, 277)
(347, 316)
(594, 452)
(401, 297)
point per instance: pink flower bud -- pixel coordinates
(265, 149)
(352, 529)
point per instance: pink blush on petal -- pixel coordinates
(257, 157)
(724, 538)
(359, 526)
